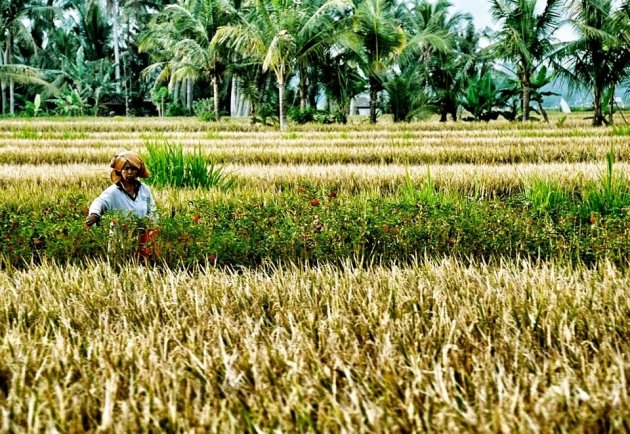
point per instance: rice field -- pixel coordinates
(441, 339)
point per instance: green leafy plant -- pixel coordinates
(176, 109)
(160, 97)
(323, 117)
(170, 166)
(316, 226)
(482, 98)
(204, 109)
(298, 116)
(406, 99)
(427, 193)
(561, 121)
(71, 103)
(621, 130)
(267, 114)
(611, 193)
(545, 196)
(33, 108)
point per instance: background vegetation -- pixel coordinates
(270, 59)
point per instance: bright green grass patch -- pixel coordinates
(171, 167)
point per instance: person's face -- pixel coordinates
(128, 172)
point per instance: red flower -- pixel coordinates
(144, 251)
(314, 202)
(332, 194)
(196, 218)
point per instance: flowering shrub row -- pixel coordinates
(304, 226)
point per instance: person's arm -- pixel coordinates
(151, 208)
(97, 208)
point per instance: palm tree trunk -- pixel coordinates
(189, 94)
(373, 97)
(3, 84)
(233, 97)
(215, 93)
(524, 78)
(12, 96)
(176, 95)
(527, 91)
(240, 97)
(9, 60)
(612, 105)
(4, 97)
(598, 118)
(283, 122)
(126, 99)
(543, 113)
(116, 45)
(303, 88)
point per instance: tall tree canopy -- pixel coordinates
(525, 38)
(268, 58)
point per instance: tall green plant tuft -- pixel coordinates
(621, 130)
(428, 193)
(170, 166)
(610, 195)
(545, 196)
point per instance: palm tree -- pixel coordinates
(275, 33)
(599, 58)
(342, 80)
(135, 17)
(112, 7)
(14, 29)
(446, 72)
(383, 38)
(525, 38)
(379, 26)
(187, 30)
(326, 28)
(116, 9)
(93, 30)
(25, 75)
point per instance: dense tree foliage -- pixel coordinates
(270, 58)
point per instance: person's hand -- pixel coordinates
(91, 220)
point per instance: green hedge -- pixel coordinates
(321, 227)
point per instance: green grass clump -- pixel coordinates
(171, 167)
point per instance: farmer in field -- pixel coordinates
(128, 195)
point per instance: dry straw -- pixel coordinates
(437, 346)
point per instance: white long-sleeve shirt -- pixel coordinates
(115, 198)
